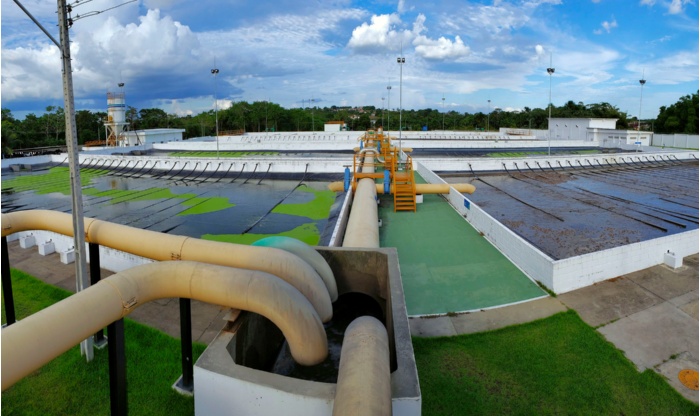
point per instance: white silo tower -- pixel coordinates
(116, 118)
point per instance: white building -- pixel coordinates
(335, 126)
(600, 130)
(140, 137)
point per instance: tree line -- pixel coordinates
(49, 128)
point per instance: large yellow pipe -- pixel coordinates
(364, 379)
(308, 254)
(421, 188)
(32, 342)
(363, 224)
(160, 246)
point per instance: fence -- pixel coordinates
(682, 141)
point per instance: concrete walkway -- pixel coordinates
(651, 315)
(446, 265)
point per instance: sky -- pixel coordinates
(466, 56)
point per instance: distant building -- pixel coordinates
(140, 137)
(601, 130)
(335, 126)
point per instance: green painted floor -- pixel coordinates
(446, 265)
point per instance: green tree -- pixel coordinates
(89, 125)
(681, 117)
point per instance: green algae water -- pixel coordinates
(228, 210)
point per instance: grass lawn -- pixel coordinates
(558, 365)
(69, 385)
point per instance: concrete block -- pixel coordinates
(67, 257)
(28, 241)
(672, 260)
(47, 248)
(419, 199)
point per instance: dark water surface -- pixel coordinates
(569, 213)
(191, 208)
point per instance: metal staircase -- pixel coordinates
(404, 186)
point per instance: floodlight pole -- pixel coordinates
(443, 112)
(401, 60)
(74, 163)
(388, 106)
(215, 72)
(488, 117)
(550, 71)
(639, 119)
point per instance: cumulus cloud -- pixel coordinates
(441, 48)
(436, 49)
(676, 6)
(31, 73)
(105, 56)
(379, 34)
(607, 26)
(132, 45)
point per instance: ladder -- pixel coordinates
(404, 186)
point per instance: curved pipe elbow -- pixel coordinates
(306, 253)
(163, 247)
(66, 323)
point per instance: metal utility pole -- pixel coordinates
(388, 105)
(488, 118)
(215, 72)
(82, 281)
(550, 71)
(639, 119)
(400, 60)
(443, 112)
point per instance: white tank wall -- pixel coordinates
(572, 273)
(110, 259)
(31, 160)
(585, 270)
(496, 164)
(236, 165)
(219, 395)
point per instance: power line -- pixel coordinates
(92, 13)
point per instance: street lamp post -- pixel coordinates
(550, 71)
(388, 105)
(215, 72)
(639, 119)
(383, 109)
(401, 60)
(443, 113)
(313, 122)
(488, 117)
